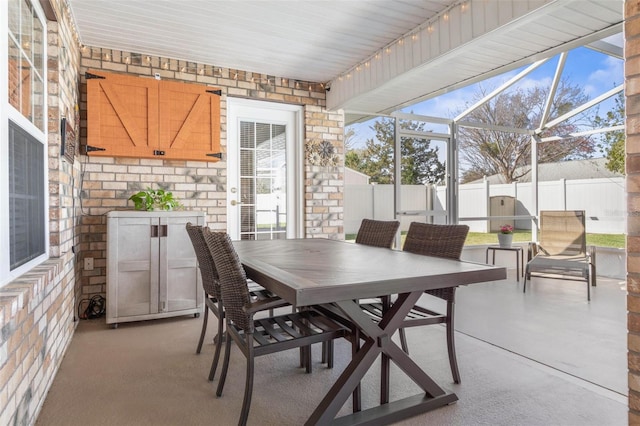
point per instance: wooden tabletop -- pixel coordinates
(314, 270)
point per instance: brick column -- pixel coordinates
(324, 173)
(632, 94)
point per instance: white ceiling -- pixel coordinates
(305, 40)
(454, 42)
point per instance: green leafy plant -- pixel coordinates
(152, 199)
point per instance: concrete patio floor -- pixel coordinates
(539, 358)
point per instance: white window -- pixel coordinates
(23, 141)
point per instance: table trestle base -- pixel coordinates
(396, 410)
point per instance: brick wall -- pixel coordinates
(37, 309)
(632, 95)
(324, 174)
(108, 182)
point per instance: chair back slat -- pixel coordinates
(377, 233)
(205, 261)
(232, 278)
(563, 232)
(436, 240)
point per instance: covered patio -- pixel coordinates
(542, 357)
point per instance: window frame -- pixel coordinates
(8, 112)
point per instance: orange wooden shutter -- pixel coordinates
(122, 115)
(147, 118)
(189, 121)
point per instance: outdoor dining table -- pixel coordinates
(316, 271)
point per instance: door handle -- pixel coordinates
(234, 203)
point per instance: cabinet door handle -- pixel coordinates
(154, 231)
(163, 230)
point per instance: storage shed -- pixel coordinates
(501, 205)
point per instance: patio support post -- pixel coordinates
(452, 175)
(397, 172)
(534, 186)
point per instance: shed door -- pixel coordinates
(122, 115)
(189, 121)
(147, 118)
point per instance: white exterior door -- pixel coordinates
(264, 170)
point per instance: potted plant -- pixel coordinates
(505, 236)
(152, 199)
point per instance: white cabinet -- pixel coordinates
(151, 266)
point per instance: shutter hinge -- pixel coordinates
(217, 155)
(158, 152)
(90, 76)
(94, 148)
(215, 92)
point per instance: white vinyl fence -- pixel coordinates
(603, 200)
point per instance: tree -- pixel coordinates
(420, 162)
(353, 159)
(612, 143)
(489, 152)
(353, 156)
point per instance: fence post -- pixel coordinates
(487, 206)
(373, 201)
(429, 200)
(515, 203)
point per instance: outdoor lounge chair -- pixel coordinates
(562, 249)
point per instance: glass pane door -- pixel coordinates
(264, 170)
(263, 181)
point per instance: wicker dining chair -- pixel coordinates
(211, 286)
(266, 335)
(444, 241)
(377, 233)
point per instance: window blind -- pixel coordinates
(26, 197)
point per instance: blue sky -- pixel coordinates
(596, 72)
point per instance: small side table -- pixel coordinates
(519, 257)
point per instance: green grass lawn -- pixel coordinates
(601, 240)
(479, 238)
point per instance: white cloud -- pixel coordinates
(609, 73)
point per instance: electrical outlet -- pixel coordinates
(88, 263)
